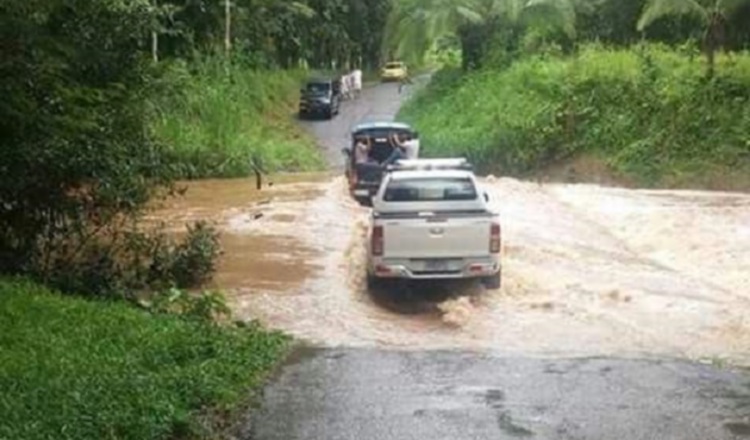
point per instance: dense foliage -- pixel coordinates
(615, 22)
(495, 32)
(71, 369)
(414, 26)
(318, 33)
(222, 121)
(647, 113)
(77, 158)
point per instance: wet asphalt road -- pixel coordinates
(361, 394)
(376, 103)
(342, 394)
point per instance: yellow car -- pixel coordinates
(394, 71)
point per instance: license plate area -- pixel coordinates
(438, 265)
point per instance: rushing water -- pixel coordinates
(588, 270)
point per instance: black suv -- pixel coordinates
(320, 96)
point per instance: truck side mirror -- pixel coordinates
(486, 197)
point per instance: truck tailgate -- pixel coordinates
(436, 237)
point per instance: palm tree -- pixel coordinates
(713, 14)
(415, 25)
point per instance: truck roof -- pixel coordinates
(458, 163)
(418, 174)
(381, 124)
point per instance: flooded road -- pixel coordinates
(603, 289)
(588, 270)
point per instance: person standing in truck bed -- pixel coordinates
(405, 146)
(362, 150)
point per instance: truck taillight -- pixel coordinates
(377, 241)
(495, 238)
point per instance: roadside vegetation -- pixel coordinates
(221, 120)
(106, 105)
(568, 82)
(76, 369)
(648, 114)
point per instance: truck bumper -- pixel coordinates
(314, 110)
(363, 193)
(468, 268)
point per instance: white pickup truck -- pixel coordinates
(431, 220)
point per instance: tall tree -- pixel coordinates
(714, 15)
(415, 25)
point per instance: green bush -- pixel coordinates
(647, 112)
(126, 260)
(209, 306)
(217, 119)
(78, 165)
(74, 369)
(187, 263)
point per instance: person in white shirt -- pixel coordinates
(357, 82)
(362, 150)
(412, 146)
(404, 147)
(345, 90)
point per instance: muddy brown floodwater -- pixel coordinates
(588, 271)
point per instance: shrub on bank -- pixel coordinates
(648, 112)
(76, 369)
(217, 119)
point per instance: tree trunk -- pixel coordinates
(227, 26)
(711, 58)
(713, 35)
(155, 43)
(155, 46)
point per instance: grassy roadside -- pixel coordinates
(216, 118)
(75, 369)
(645, 115)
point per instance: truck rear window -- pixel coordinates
(318, 88)
(430, 189)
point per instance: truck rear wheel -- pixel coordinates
(492, 282)
(364, 201)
